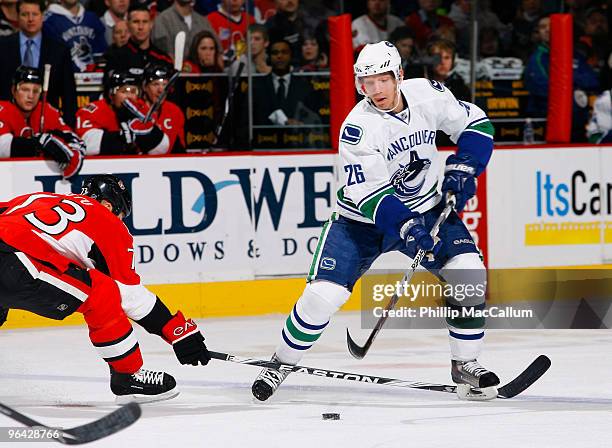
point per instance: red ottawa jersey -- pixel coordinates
(55, 228)
(171, 121)
(229, 30)
(14, 124)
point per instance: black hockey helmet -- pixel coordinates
(110, 188)
(153, 72)
(118, 78)
(27, 74)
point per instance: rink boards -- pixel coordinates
(225, 235)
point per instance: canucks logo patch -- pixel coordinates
(329, 264)
(351, 134)
(436, 85)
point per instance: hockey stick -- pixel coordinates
(105, 426)
(45, 89)
(228, 101)
(525, 379)
(360, 351)
(179, 48)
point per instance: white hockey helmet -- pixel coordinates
(377, 58)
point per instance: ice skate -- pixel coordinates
(268, 381)
(144, 386)
(474, 382)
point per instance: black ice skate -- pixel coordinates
(474, 382)
(144, 386)
(268, 381)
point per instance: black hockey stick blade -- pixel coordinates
(109, 424)
(529, 376)
(356, 350)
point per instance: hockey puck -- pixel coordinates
(331, 416)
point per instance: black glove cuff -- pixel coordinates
(25, 147)
(149, 141)
(112, 143)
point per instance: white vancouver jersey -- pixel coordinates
(382, 153)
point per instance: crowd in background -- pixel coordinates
(286, 37)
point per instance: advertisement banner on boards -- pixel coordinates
(550, 207)
(209, 218)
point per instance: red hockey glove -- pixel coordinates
(186, 340)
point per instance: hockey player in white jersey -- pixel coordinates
(395, 181)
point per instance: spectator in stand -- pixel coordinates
(34, 48)
(460, 15)
(20, 131)
(81, 31)
(290, 24)
(594, 43)
(443, 72)
(375, 25)
(403, 39)
(259, 49)
(279, 97)
(230, 23)
(426, 21)
(139, 51)
(599, 129)
(204, 54)
(259, 56)
(121, 34)
(116, 12)
(179, 17)
(114, 124)
(168, 117)
(536, 81)
(313, 59)
(9, 23)
(489, 44)
(524, 28)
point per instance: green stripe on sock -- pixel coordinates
(300, 335)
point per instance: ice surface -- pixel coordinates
(55, 376)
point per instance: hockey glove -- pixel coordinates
(186, 340)
(67, 150)
(3, 315)
(415, 235)
(130, 110)
(459, 178)
(145, 136)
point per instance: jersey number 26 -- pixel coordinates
(354, 174)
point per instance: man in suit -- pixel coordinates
(281, 98)
(31, 47)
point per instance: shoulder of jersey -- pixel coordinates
(418, 90)
(7, 107)
(357, 122)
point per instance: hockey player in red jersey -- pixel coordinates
(169, 117)
(114, 124)
(20, 122)
(61, 254)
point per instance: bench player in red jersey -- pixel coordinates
(20, 126)
(114, 125)
(61, 254)
(169, 117)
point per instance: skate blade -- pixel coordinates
(138, 398)
(469, 393)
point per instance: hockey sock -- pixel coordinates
(110, 330)
(465, 272)
(309, 318)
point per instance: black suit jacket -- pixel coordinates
(265, 100)
(61, 83)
